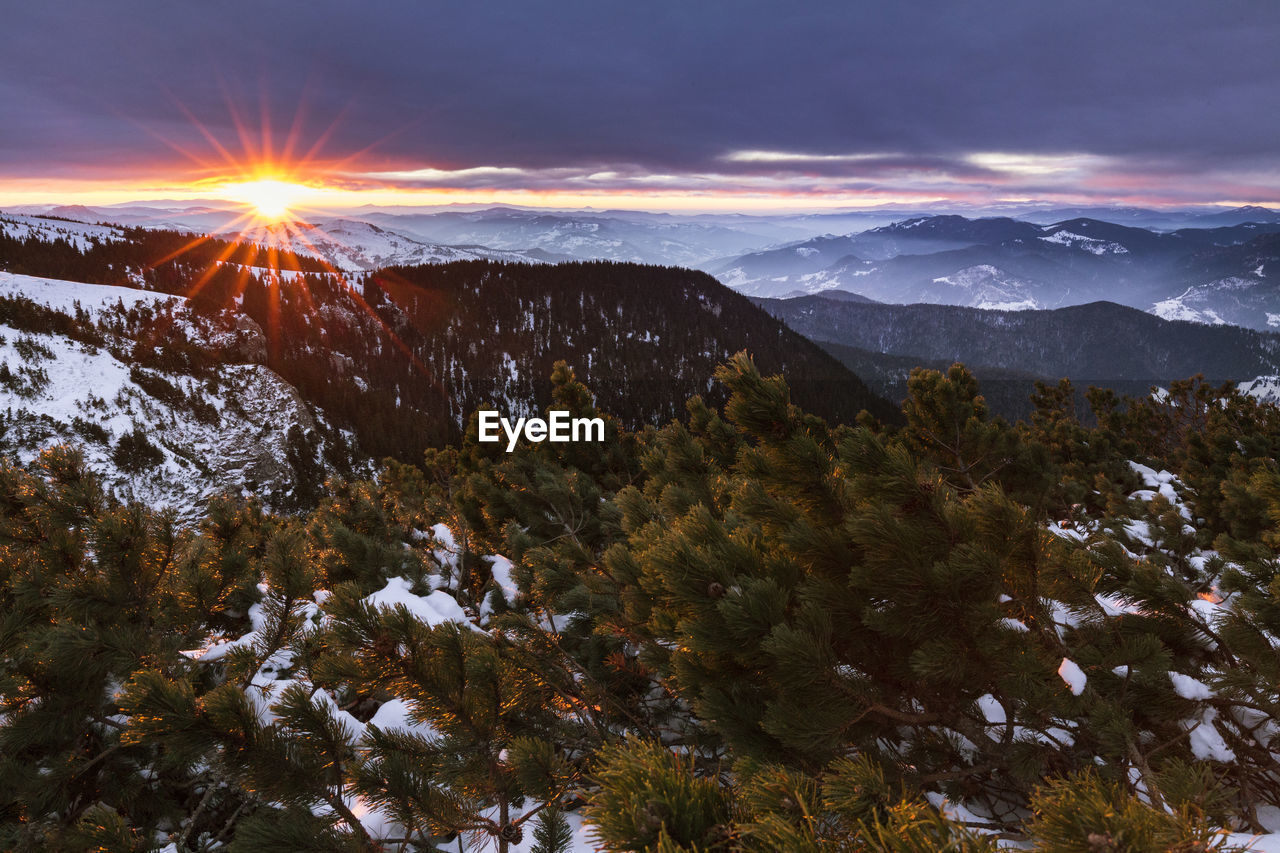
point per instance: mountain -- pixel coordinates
(1238, 215)
(492, 232)
(402, 356)
(168, 405)
(1101, 340)
(1005, 263)
(1100, 343)
(581, 235)
(48, 229)
(1237, 284)
(643, 338)
(789, 261)
(1140, 217)
(958, 261)
(1263, 388)
(202, 218)
(924, 235)
(352, 246)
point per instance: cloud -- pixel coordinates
(797, 158)
(972, 176)
(996, 96)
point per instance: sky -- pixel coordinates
(695, 104)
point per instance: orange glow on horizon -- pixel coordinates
(317, 194)
(271, 198)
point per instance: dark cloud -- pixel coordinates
(665, 86)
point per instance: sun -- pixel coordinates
(271, 198)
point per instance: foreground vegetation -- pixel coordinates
(746, 630)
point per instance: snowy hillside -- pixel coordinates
(1263, 388)
(354, 246)
(93, 366)
(985, 286)
(348, 245)
(78, 234)
(1248, 300)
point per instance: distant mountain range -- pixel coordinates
(1223, 274)
(353, 246)
(761, 254)
(1099, 343)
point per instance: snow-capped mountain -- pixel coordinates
(108, 370)
(1199, 274)
(610, 235)
(754, 270)
(1265, 389)
(1237, 284)
(984, 286)
(354, 246)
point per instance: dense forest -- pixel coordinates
(747, 629)
(1100, 344)
(1089, 343)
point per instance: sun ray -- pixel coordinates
(274, 186)
(271, 198)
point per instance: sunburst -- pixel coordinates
(278, 190)
(272, 199)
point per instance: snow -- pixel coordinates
(395, 716)
(78, 234)
(434, 609)
(63, 296)
(351, 246)
(1092, 245)
(582, 841)
(1254, 843)
(1188, 687)
(1206, 741)
(1197, 303)
(1022, 305)
(83, 394)
(988, 287)
(1150, 477)
(992, 709)
(1263, 388)
(501, 570)
(1072, 675)
(1115, 606)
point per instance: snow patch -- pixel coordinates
(1072, 675)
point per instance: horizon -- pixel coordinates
(1011, 210)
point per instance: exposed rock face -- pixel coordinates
(251, 343)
